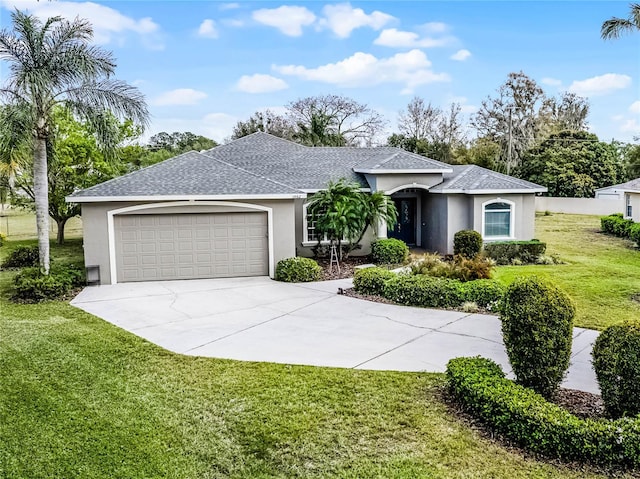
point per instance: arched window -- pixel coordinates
(497, 219)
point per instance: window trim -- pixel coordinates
(628, 207)
(512, 214)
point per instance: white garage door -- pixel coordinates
(189, 246)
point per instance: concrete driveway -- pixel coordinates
(257, 319)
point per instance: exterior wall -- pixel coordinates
(393, 182)
(581, 206)
(635, 206)
(523, 216)
(96, 234)
(459, 215)
(435, 223)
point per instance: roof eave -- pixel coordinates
(378, 171)
(110, 199)
(490, 192)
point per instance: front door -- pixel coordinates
(405, 228)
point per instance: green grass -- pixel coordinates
(80, 398)
(19, 224)
(602, 272)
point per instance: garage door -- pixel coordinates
(189, 246)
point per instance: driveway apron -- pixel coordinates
(258, 319)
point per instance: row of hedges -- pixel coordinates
(32, 285)
(618, 226)
(526, 417)
(427, 291)
(509, 252)
(459, 267)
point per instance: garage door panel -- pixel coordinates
(183, 246)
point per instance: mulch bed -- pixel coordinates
(347, 267)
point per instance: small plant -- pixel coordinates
(537, 327)
(32, 285)
(547, 213)
(298, 270)
(470, 307)
(460, 267)
(371, 280)
(389, 251)
(616, 360)
(484, 292)
(21, 257)
(467, 243)
(3, 237)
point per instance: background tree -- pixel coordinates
(343, 117)
(568, 112)
(266, 121)
(419, 121)
(511, 118)
(179, 142)
(615, 27)
(75, 162)
(50, 63)
(320, 132)
(573, 164)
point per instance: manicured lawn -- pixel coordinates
(80, 398)
(602, 272)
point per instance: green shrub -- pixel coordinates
(537, 327)
(3, 237)
(459, 267)
(634, 233)
(21, 257)
(371, 280)
(298, 270)
(467, 243)
(505, 252)
(540, 426)
(424, 291)
(33, 286)
(616, 225)
(486, 293)
(389, 251)
(616, 360)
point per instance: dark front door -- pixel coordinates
(405, 228)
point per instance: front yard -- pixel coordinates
(82, 398)
(602, 273)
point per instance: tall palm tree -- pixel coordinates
(53, 63)
(615, 27)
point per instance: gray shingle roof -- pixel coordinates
(189, 174)
(473, 178)
(633, 185)
(262, 164)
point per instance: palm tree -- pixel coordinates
(615, 27)
(53, 63)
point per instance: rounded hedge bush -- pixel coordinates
(424, 291)
(467, 243)
(537, 326)
(371, 280)
(616, 360)
(389, 251)
(537, 424)
(487, 293)
(31, 285)
(298, 270)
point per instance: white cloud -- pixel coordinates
(260, 83)
(434, 27)
(288, 19)
(635, 107)
(342, 19)
(600, 85)
(551, 81)
(233, 22)
(461, 55)
(208, 29)
(180, 96)
(218, 126)
(109, 25)
(631, 125)
(410, 69)
(392, 37)
(229, 6)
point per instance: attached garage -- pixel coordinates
(153, 247)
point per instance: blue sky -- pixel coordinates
(205, 65)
